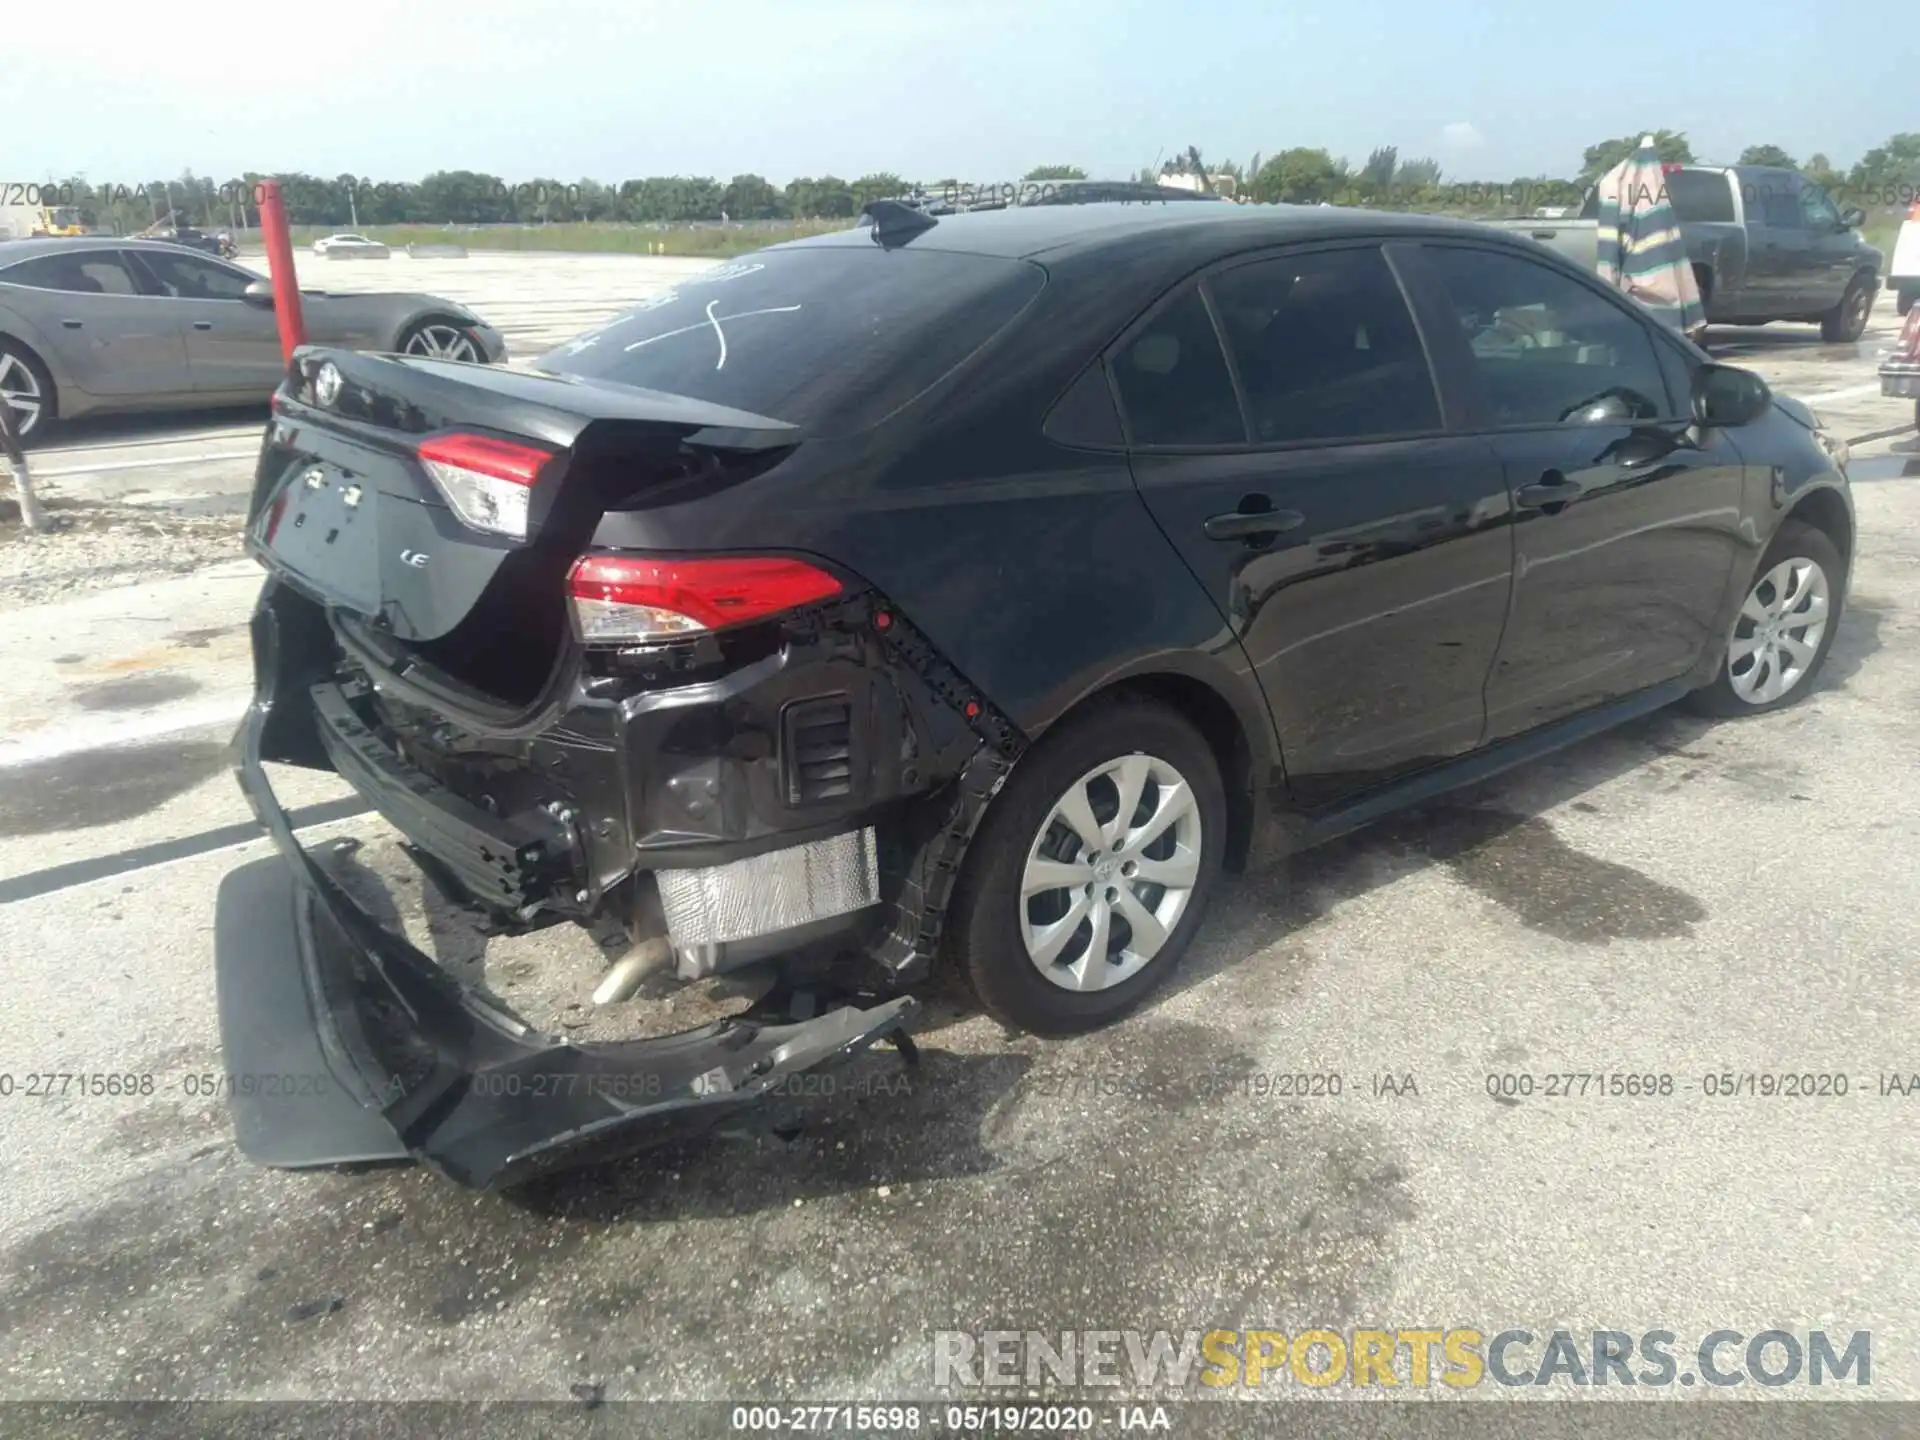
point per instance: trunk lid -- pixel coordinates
(345, 508)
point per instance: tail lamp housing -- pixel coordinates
(1909, 347)
(487, 481)
(648, 599)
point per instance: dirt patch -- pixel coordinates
(102, 787)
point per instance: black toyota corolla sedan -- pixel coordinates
(964, 590)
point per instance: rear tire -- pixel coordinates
(1056, 959)
(1773, 651)
(1847, 321)
(29, 390)
(1903, 301)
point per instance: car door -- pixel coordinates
(1776, 251)
(232, 347)
(1800, 266)
(1627, 519)
(1831, 244)
(1286, 432)
(111, 340)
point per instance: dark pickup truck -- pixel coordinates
(1766, 244)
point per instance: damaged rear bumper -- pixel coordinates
(345, 1044)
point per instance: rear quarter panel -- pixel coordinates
(19, 321)
(1034, 568)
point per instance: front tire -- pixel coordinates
(1847, 321)
(1784, 628)
(438, 337)
(1091, 872)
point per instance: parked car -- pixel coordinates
(189, 237)
(1903, 274)
(102, 324)
(962, 591)
(1766, 244)
(355, 246)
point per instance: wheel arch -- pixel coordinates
(424, 315)
(1238, 731)
(1826, 510)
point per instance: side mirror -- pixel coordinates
(1725, 396)
(259, 295)
(1852, 218)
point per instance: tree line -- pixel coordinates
(1300, 175)
(1888, 173)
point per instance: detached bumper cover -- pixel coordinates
(345, 1044)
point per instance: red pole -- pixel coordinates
(286, 284)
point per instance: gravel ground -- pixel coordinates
(95, 546)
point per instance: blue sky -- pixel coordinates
(983, 90)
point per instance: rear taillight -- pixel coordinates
(636, 600)
(1913, 210)
(1910, 335)
(488, 482)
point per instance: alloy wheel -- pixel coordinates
(20, 389)
(1777, 635)
(1110, 873)
(443, 342)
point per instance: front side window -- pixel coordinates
(1173, 380)
(188, 277)
(1546, 349)
(1820, 213)
(1326, 348)
(80, 272)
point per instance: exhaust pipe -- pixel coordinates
(625, 975)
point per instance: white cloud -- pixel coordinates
(1462, 135)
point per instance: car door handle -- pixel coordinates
(1243, 524)
(71, 324)
(1553, 489)
(203, 324)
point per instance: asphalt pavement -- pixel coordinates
(1679, 898)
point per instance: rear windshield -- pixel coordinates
(831, 338)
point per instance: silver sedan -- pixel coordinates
(104, 324)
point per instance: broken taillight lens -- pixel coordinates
(637, 600)
(488, 482)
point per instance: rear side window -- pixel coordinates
(1546, 349)
(1173, 380)
(1778, 208)
(831, 338)
(92, 272)
(1326, 348)
(1700, 196)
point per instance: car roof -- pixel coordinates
(1029, 231)
(22, 249)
